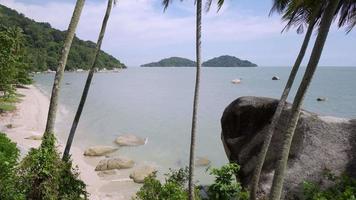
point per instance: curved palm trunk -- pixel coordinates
(275, 119)
(278, 179)
(88, 82)
(51, 118)
(195, 103)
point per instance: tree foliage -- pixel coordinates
(13, 66)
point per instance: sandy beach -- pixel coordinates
(29, 120)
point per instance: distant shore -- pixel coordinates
(29, 120)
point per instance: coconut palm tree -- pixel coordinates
(325, 23)
(88, 81)
(296, 17)
(51, 118)
(196, 94)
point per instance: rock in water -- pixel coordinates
(99, 150)
(236, 81)
(140, 174)
(321, 99)
(202, 162)
(114, 163)
(319, 143)
(275, 78)
(130, 140)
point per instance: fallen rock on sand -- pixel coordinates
(99, 150)
(34, 137)
(202, 162)
(107, 173)
(140, 174)
(114, 163)
(130, 140)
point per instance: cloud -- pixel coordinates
(139, 31)
(141, 25)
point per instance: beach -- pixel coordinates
(29, 119)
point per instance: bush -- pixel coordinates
(172, 189)
(343, 188)
(225, 187)
(9, 155)
(45, 176)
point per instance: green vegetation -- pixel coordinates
(342, 188)
(9, 155)
(44, 43)
(222, 61)
(13, 65)
(225, 186)
(228, 61)
(40, 175)
(7, 103)
(171, 62)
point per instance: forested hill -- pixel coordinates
(171, 62)
(44, 43)
(222, 61)
(228, 61)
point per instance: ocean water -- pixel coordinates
(157, 103)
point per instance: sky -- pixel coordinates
(139, 31)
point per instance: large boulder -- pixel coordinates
(114, 163)
(99, 150)
(130, 140)
(140, 174)
(320, 143)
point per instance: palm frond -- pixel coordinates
(347, 14)
(166, 3)
(220, 3)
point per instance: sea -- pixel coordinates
(156, 103)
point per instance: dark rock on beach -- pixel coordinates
(320, 143)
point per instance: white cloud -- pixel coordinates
(138, 27)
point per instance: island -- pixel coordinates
(228, 61)
(43, 45)
(222, 61)
(171, 62)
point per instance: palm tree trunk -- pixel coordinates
(195, 103)
(262, 155)
(278, 179)
(88, 82)
(51, 118)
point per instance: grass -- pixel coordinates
(7, 104)
(6, 107)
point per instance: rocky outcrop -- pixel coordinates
(140, 174)
(319, 143)
(130, 140)
(99, 150)
(114, 163)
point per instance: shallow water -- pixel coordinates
(157, 103)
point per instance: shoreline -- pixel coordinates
(29, 119)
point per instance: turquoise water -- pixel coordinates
(157, 103)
